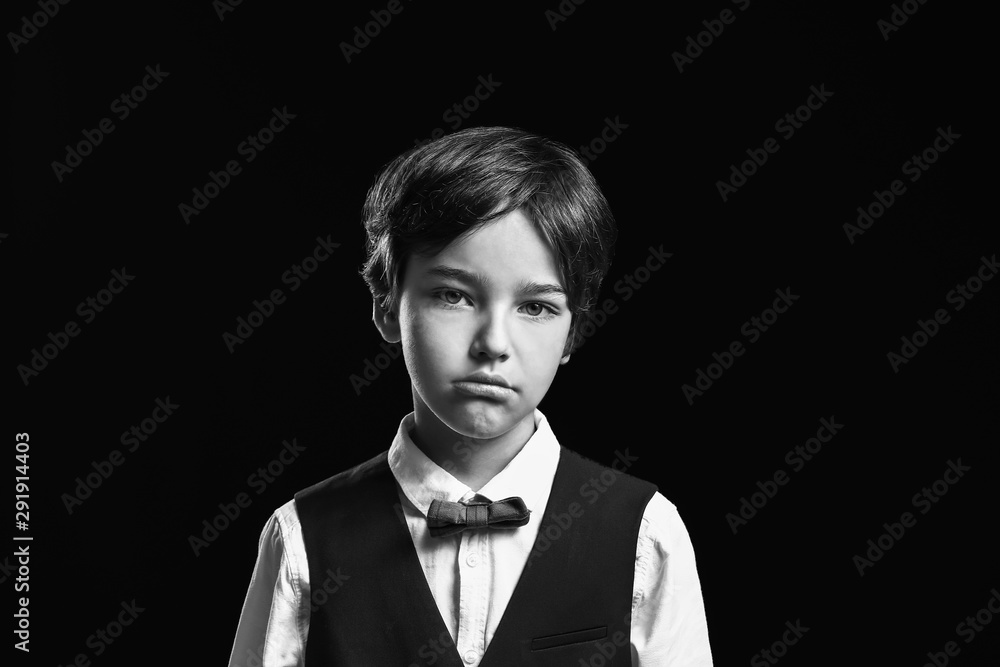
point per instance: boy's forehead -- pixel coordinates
(509, 250)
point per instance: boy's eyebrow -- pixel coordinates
(524, 288)
(538, 289)
(443, 271)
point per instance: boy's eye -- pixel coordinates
(451, 296)
(534, 309)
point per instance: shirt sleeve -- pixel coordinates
(669, 628)
(275, 619)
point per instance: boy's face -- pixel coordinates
(491, 305)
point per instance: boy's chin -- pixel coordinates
(484, 422)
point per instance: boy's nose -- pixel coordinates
(492, 340)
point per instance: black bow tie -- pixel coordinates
(446, 518)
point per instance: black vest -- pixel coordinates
(572, 602)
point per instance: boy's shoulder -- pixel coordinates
(347, 479)
(662, 526)
(618, 467)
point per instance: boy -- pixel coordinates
(485, 250)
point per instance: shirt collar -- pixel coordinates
(528, 475)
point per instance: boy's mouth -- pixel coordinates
(486, 378)
(485, 385)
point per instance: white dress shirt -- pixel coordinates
(472, 574)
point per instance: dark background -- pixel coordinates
(824, 358)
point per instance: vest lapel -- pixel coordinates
(385, 613)
(573, 600)
(410, 576)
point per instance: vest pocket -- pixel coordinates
(567, 638)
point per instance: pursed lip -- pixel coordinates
(486, 378)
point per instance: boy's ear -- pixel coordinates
(567, 348)
(387, 323)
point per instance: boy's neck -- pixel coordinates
(472, 461)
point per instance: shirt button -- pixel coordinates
(472, 560)
(470, 656)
